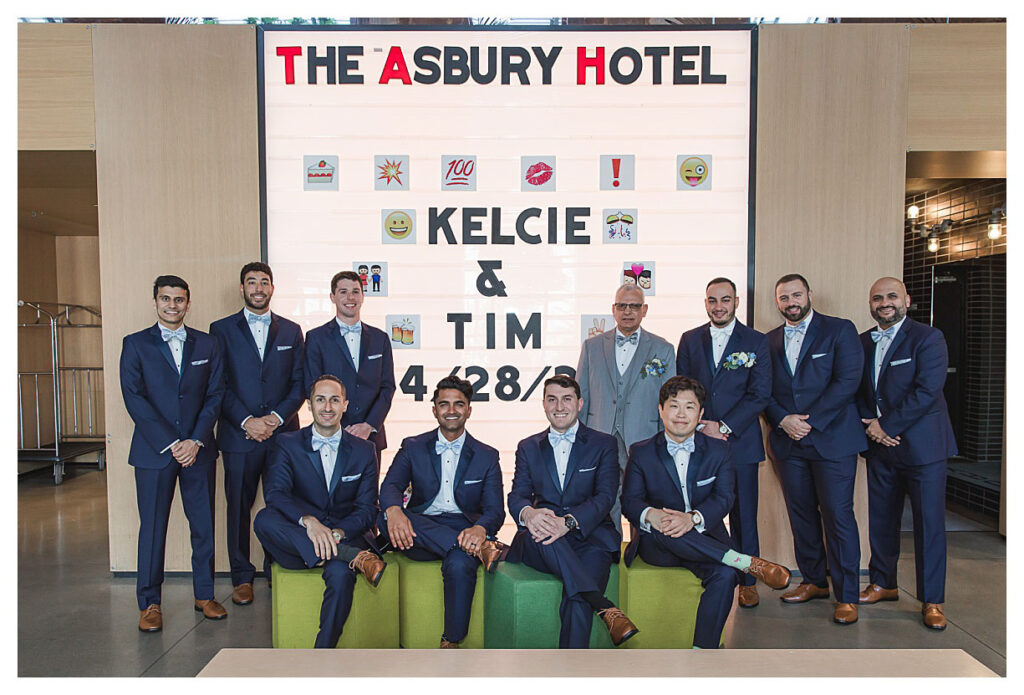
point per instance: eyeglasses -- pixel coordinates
(622, 306)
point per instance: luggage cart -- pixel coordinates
(61, 405)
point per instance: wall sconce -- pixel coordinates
(933, 244)
(912, 212)
(934, 232)
(995, 226)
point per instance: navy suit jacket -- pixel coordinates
(824, 386)
(369, 388)
(591, 483)
(254, 386)
(735, 396)
(909, 394)
(164, 405)
(478, 490)
(652, 480)
(295, 484)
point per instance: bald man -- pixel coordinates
(910, 438)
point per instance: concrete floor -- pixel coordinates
(75, 619)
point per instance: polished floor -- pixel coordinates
(75, 619)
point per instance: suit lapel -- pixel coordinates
(340, 457)
(661, 447)
(575, 452)
(547, 456)
(364, 338)
(275, 326)
(465, 458)
(162, 347)
(243, 328)
(691, 467)
(342, 343)
(731, 345)
(608, 348)
(186, 351)
(643, 351)
(900, 335)
(314, 457)
(809, 337)
(709, 350)
(777, 345)
(435, 458)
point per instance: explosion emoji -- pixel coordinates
(390, 171)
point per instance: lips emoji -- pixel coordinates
(539, 174)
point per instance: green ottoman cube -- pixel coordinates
(421, 605)
(661, 602)
(521, 609)
(296, 599)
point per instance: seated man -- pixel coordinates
(678, 489)
(321, 495)
(456, 503)
(564, 486)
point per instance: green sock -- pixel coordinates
(696, 647)
(737, 560)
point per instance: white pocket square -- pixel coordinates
(375, 357)
(284, 347)
(587, 470)
(196, 363)
(706, 481)
(896, 363)
(820, 354)
(350, 478)
(472, 482)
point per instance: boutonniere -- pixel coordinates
(652, 367)
(740, 359)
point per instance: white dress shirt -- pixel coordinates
(794, 343)
(258, 330)
(624, 353)
(719, 339)
(682, 461)
(444, 501)
(176, 345)
(353, 341)
(881, 348)
(562, 452)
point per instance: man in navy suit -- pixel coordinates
(456, 506)
(902, 404)
(565, 483)
(816, 435)
(321, 493)
(172, 383)
(263, 374)
(677, 491)
(358, 354)
(732, 364)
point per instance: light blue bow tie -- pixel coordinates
(555, 438)
(887, 333)
(674, 448)
(346, 329)
(621, 340)
(256, 318)
(796, 330)
(320, 441)
(441, 447)
(178, 333)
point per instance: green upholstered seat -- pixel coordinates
(661, 602)
(296, 599)
(421, 605)
(521, 609)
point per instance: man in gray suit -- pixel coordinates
(620, 373)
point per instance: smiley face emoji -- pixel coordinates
(694, 171)
(398, 224)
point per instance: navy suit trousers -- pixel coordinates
(292, 549)
(819, 492)
(582, 567)
(702, 555)
(743, 516)
(437, 539)
(889, 482)
(154, 489)
(242, 473)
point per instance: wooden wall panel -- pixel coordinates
(55, 87)
(37, 282)
(178, 192)
(831, 127)
(957, 87)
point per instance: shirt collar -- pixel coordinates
(461, 441)
(895, 326)
(572, 430)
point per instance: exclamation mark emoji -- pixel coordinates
(615, 171)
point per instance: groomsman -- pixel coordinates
(677, 491)
(619, 373)
(360, 355)
(565, 480)
(731, 362)
(456, 507)
(902, 404)
(172, 384)
(815, 437)
(263, 373)
(321, 496)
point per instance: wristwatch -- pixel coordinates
(337, 536)
(570, 523)
(697, 518)
(724, 428)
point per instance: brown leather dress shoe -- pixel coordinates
(775, 576)
(873, 594)
(748, 597)
(445, 644)
(211, 609)
(620, 628)
(151, 620)
(369, 565)
(242, 594)
(804, 591)
(932, 615)
(490, 553)
(845, 613)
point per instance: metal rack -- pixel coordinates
(64, 395)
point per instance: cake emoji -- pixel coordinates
(321, 172)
